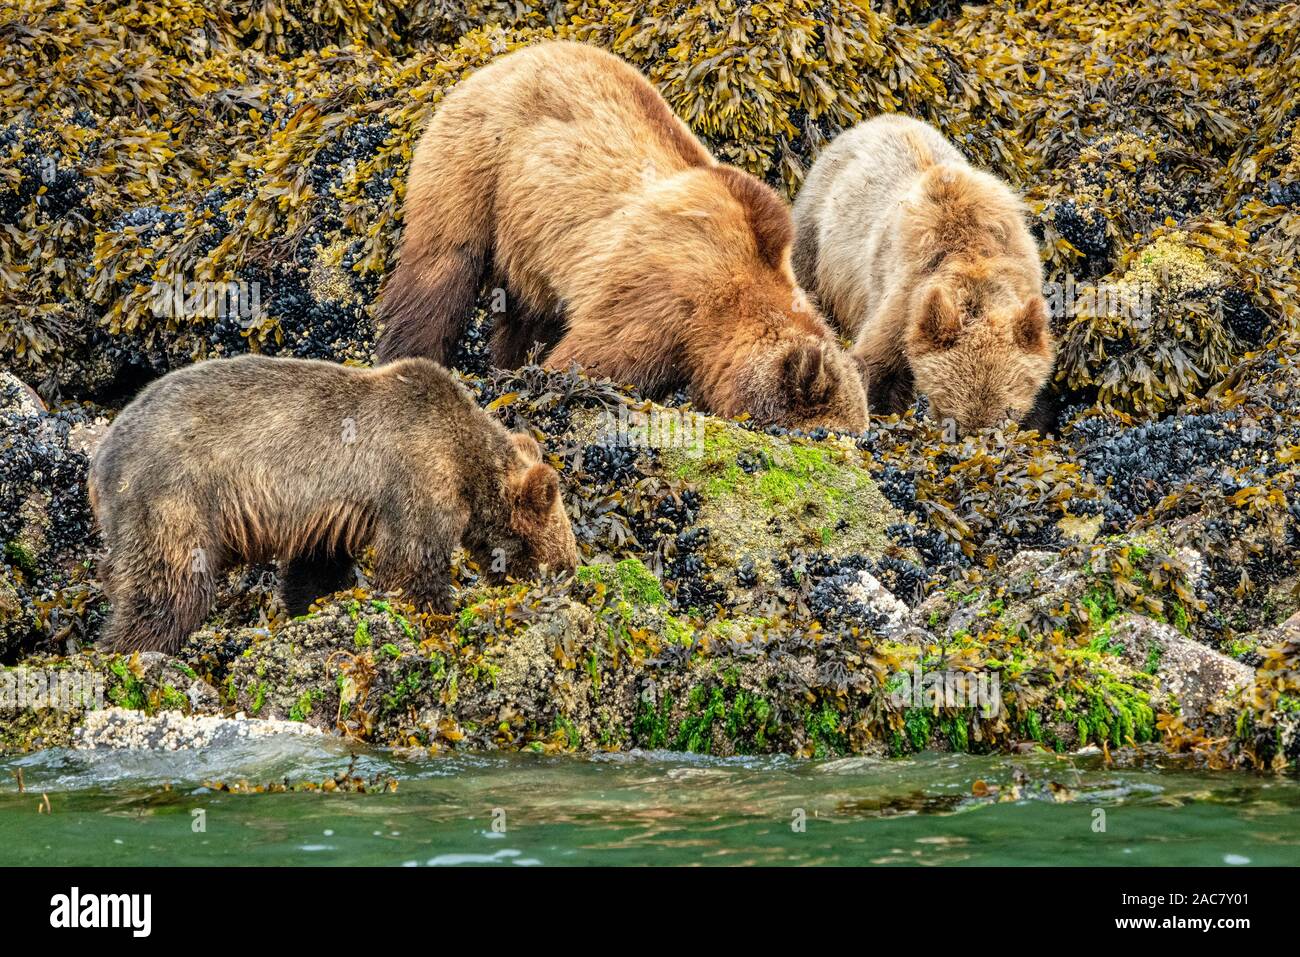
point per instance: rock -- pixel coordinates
(1198, 678)
(42, 703)
(120, 728)
(83, 437)
(878, 600)
(21, 397)
(1036, 584)
(1290, 628)
(1265, 727)
(46, 531)
(762, 498)
(14, 625)
(204, 698)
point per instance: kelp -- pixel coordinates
(267, 143)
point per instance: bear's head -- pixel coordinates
(770, 353)
(805, 384)
(980, 353)
(538, 536)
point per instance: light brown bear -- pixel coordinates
(252, 459)
(559, 174)
(928, 264)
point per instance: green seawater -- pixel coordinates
(136, 807)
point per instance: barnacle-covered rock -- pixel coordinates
(319, 667)
(124, 729)
(46, 700)
(33, 716)
(1202, 680)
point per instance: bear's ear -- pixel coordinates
(808, 380)
(939, 326)
(526, 446)
(536, 491)
(1030, 325)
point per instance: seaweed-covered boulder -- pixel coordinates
(46, 530)
(603, 661)
(1169, 321)
(1081, 590)
(1113, 189)
(1267, 728)
(324, 667)
(758, 500)
(1201, 680)
(46, 700)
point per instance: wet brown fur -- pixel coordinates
(560, 174)
(308, 463)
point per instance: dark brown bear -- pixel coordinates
(252, 459)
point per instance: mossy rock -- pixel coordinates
(629, 578)
(766, 497)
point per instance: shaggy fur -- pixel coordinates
(559, 174)
(252, 459)
(928, 264)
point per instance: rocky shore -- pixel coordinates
(1122, 575)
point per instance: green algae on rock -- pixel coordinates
(763, 497)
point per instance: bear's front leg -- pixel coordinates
(420, 570)
(156, 608)
(427, 591)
